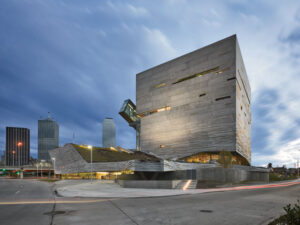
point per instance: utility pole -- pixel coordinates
(298, 166)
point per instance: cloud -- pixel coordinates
(127, 9)
(78, 60)
(137, 11)
(158, 46)
(286, 154)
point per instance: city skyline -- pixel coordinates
(89, 65)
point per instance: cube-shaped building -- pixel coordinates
(197, 105)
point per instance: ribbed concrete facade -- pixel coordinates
(68, 160)
(48, 138)
(199, 102)
(108, 133)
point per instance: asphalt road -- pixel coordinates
(38, 206)
(13, 190)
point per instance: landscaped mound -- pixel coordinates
(101, 154)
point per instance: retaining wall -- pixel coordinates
(151, 184)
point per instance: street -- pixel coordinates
(33, 202)
(25, 190)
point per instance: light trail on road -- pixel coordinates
(252, 187)
(264, 186)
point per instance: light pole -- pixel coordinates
(37, 171)
(54, 167)
(91, 148)
(41, 170)
(42, 163)
(19, 144)
(13, 152)
(298, 166)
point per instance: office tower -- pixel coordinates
(48, 137)
(17, 146)
(108, 133)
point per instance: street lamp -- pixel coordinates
(19, 144)
(54, 166)
(91, 148)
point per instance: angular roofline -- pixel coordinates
(234, 36)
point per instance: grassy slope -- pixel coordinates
(107, 155)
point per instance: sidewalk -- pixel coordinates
(109, 189)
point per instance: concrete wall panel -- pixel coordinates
(195, 123)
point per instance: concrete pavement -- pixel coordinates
(32, 202)
(16, 190)
(109, 189)
(247, 207)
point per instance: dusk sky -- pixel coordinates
(78, 60)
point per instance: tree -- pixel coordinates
(225, 159)
(270, 166)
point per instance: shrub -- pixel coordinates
(274, 177)
(279, 177)
(292, 216)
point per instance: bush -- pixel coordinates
(274, 177)
(292, 216)
(279, 177)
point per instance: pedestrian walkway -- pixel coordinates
(109, 189)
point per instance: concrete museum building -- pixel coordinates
(190, 109)
(194, 106)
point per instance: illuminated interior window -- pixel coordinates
(160, 85)
(222, 98)
(232, 78)
(162, 146)
(223, 70)
(197, 75)
(206, 157)
(128, 111)
(202, 95)
(154, 111)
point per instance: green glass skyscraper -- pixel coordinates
(48, 137)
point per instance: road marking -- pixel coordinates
(17, 192)
(54, 201)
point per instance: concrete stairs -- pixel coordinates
(187, 184)
(193, 184)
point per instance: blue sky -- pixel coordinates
(78, 60)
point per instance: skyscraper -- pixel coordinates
(17, 146)
(48, 137)
(108, 133)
